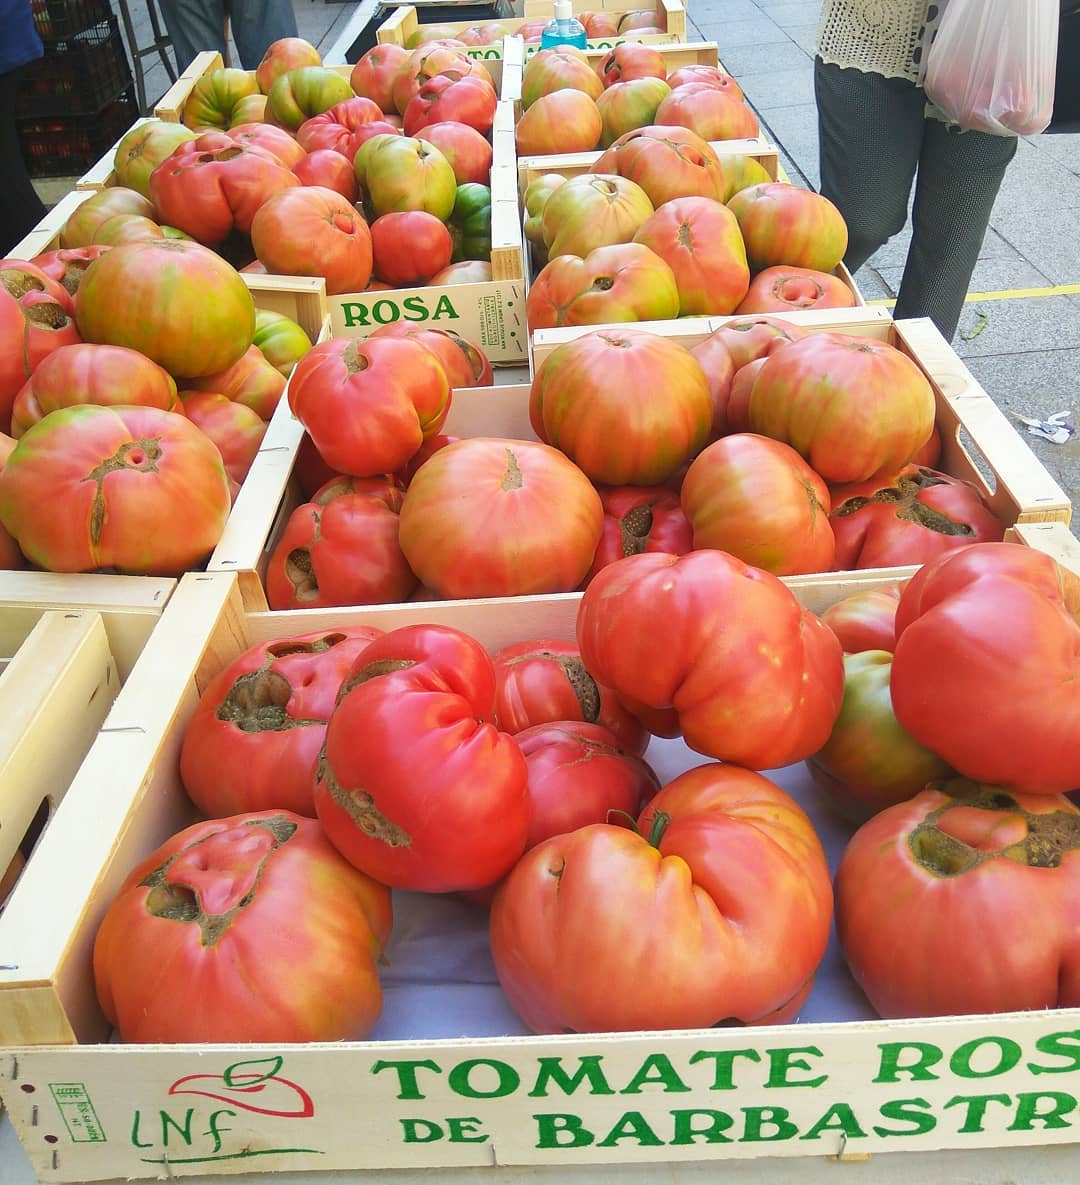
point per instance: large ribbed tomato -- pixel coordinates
(667, 162)
(986, 670)
(251, 928)
(369, 405)
(252, 741)
(986, 875)
(173, 300)
(852, 406)
(415, 785)
(787, 224)
(488, 517)
(717, 912)
(134, 489)
(754, 677)
(628, 407)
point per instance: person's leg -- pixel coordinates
(20, 207)
(870, 132)
(194, 26)
(258, 23)
(958, 179)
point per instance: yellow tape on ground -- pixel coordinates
(1005, 294)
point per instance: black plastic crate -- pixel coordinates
(78, 76)
(67, 146)
(57, 20)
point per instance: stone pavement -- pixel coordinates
(1024, 348)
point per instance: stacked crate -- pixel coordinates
(79, 97)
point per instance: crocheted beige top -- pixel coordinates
(877, 36)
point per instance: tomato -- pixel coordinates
(754, 677)
(253, 739)
(35, 320)
(699, 239)
(749, 338)
(626, 106)
(234, 428)
(329, 169)
(283, 55)
(251, 381)
(786, 224)
(466, 365)
(470, 100)
(468, 152)
(865, 620)
(414, 784)
(788, 289)
(140, 151)
(908, 517)
(175, 301)
(477, 520)
(66, 265)
(212, 186)
(620, 282)
(215, 96)
(142, 490)
(314, 231)
(759, 500)
(405, 173)
(369, 405)
(558, 68)
(336, 128)
(374, 73)
(595, 398)
(83, 224)
(717, 912)
(667, 162)
(869, 762)
(564, 121)
(280, 339)
(409, 246)
(592, 210)
(250, 928)
(298, 94)
(706, 75)
(711, 111)
(852, 406)
(631, 60)
(543, 681)
(988, 877)
(88, 373)
(986, 669)
(341, 548)
(282, 145)
(470, 222)
(637, 519)
(426, 62)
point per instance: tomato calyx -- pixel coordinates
(179, 887)
(947, 847)
(360, 806)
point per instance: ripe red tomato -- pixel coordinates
(986, 670)
(465, 363)
(415, 785)
(235, 429)
(637, 519)
(988, 876)
(369, 405)
(542, 681)
(477, 520)
(717, 911)
(341, 548)
(252, 741)
(908, 517)
(865, 620)
(251, 928)
(754, 677)
(409, 246)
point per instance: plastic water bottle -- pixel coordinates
(564, 29)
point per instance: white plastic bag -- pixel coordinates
(992, 66)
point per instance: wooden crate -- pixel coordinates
(978, 442)
(405, 21)
(460, 1083)
(67, 644)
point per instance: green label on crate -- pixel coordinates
(78, 1112)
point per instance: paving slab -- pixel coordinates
(791, 12)
(728, 33)
(780, 60)
(794, 130)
